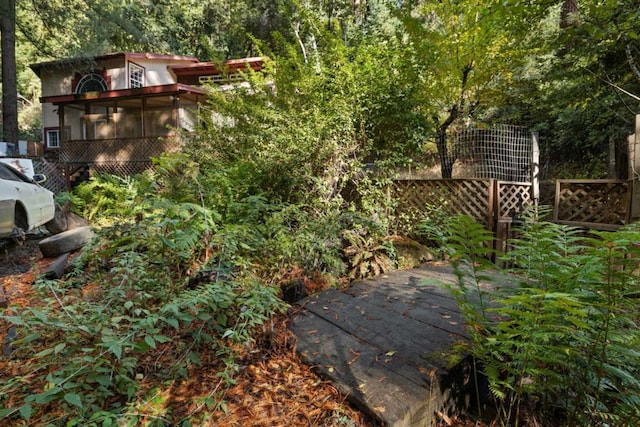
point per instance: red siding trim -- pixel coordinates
(124, 93)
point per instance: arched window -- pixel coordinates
(91, 83)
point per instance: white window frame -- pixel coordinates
(136, 75)
(48, 136)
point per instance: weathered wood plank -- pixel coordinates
(390, 330)
(403, 292)
(386, 342)
(380, 384)
(57, 268)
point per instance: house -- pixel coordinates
(112, 113)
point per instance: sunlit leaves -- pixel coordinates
(564, 333)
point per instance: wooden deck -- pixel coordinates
(386, 342)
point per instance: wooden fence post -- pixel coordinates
(535, 168)
(491, 202)
(634, 172)
(556, 201)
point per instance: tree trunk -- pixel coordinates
(9, 79)
(447, 159)
(446, 163)
(569, 13)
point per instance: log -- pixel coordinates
(56, 270)
(3, 298)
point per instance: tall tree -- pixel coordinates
(569, 12)
(9, 81)
(578, 88)
(467, 53)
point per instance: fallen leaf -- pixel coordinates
(356, 356)
(445, 418)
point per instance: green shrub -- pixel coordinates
(163, 276)
(367, 249)
(105, 198)
(562, 340)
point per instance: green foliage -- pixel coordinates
(578, 89)
(295, 148)
(302, 237)
(187, 261)
(210, 30)
(109, 198)
(430, 225)
(283, 141)
(323, 110)
(463, 55)
(561, 339)
(165, 275)
(30, 122)
(190, 251)
(367, 250)
(93, 352)
(398, 70)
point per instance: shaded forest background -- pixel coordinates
(566, 69)
(192, 258)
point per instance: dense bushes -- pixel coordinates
(164, 276)
(561, 342)
(188, 259)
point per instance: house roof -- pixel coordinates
(148, 91)
(84, 61)
(188, 68)
(212, 68)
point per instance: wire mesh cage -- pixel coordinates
(502, 152)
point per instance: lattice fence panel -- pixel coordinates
(468, 197)
(116, 150)
(56, 180)
(513, 198)
(121, 169)
(581, 202)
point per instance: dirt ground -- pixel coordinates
(17, 259)
(274, 388)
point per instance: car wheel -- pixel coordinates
(59, 222)
(66, 241)
(18, 236)
(20, 225)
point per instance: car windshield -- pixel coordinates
(9, 173)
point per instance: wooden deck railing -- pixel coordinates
(116, 150)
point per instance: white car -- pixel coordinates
(25, 205)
